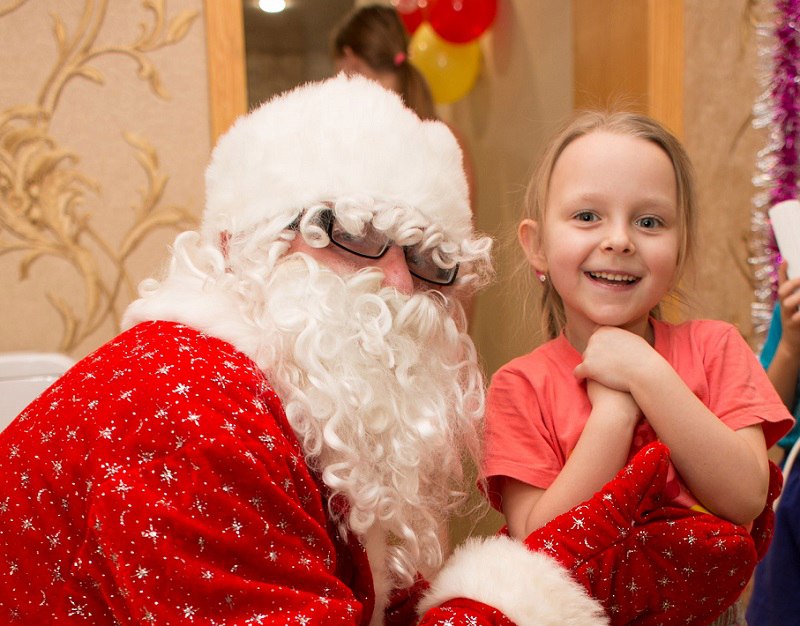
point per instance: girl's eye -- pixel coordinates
(649, 221)
(585, 216)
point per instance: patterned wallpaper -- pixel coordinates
(104, 136)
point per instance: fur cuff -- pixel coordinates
(528, 587)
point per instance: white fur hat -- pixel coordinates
(341, 137)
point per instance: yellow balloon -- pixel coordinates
(450, 69)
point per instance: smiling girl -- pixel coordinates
(609, 230)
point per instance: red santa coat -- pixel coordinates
(158, 482)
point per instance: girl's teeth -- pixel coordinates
(621, 278)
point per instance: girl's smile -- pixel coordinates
(613, 279)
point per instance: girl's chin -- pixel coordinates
(636, 325)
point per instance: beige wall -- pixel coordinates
(720, 89)
(104, 135)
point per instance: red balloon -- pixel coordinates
(411, 14)
(412, 20)
(460, 21)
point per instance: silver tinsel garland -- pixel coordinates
(778, 110)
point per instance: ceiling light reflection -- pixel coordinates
(272, 6)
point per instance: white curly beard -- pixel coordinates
(383, 390)
(385, 395)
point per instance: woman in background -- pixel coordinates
(373, 42)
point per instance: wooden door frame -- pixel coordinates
(227, 73)
(630, 51)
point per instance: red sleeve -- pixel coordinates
(464, 612)
(197, 505)
(240, 540)
(649, 562)
(623, 550)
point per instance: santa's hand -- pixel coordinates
(640, 561)
(646, 561)
(543, 581)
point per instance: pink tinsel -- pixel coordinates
(784, 97)
(778, 108)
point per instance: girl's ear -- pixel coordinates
(529, 235)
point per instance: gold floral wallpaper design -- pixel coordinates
(45, 190)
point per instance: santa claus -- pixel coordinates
(282, 432)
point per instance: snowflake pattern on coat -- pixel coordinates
(158, 482)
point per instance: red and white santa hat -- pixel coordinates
(345, 137)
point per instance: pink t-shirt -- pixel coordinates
(537, 409)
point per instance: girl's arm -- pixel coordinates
(726, 470)
(783, 369)
(600, 453)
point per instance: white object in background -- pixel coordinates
(23, 376)
(785, 219)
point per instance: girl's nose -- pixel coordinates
(617, 239)
(395, 270)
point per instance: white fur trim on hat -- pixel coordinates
(338, 138)
(530, 588)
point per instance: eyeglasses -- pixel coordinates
(373, 244)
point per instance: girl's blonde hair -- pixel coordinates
(619, 123)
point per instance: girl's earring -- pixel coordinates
(541, 276)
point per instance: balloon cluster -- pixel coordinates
(444, 42)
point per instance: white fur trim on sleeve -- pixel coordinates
(530, 588)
